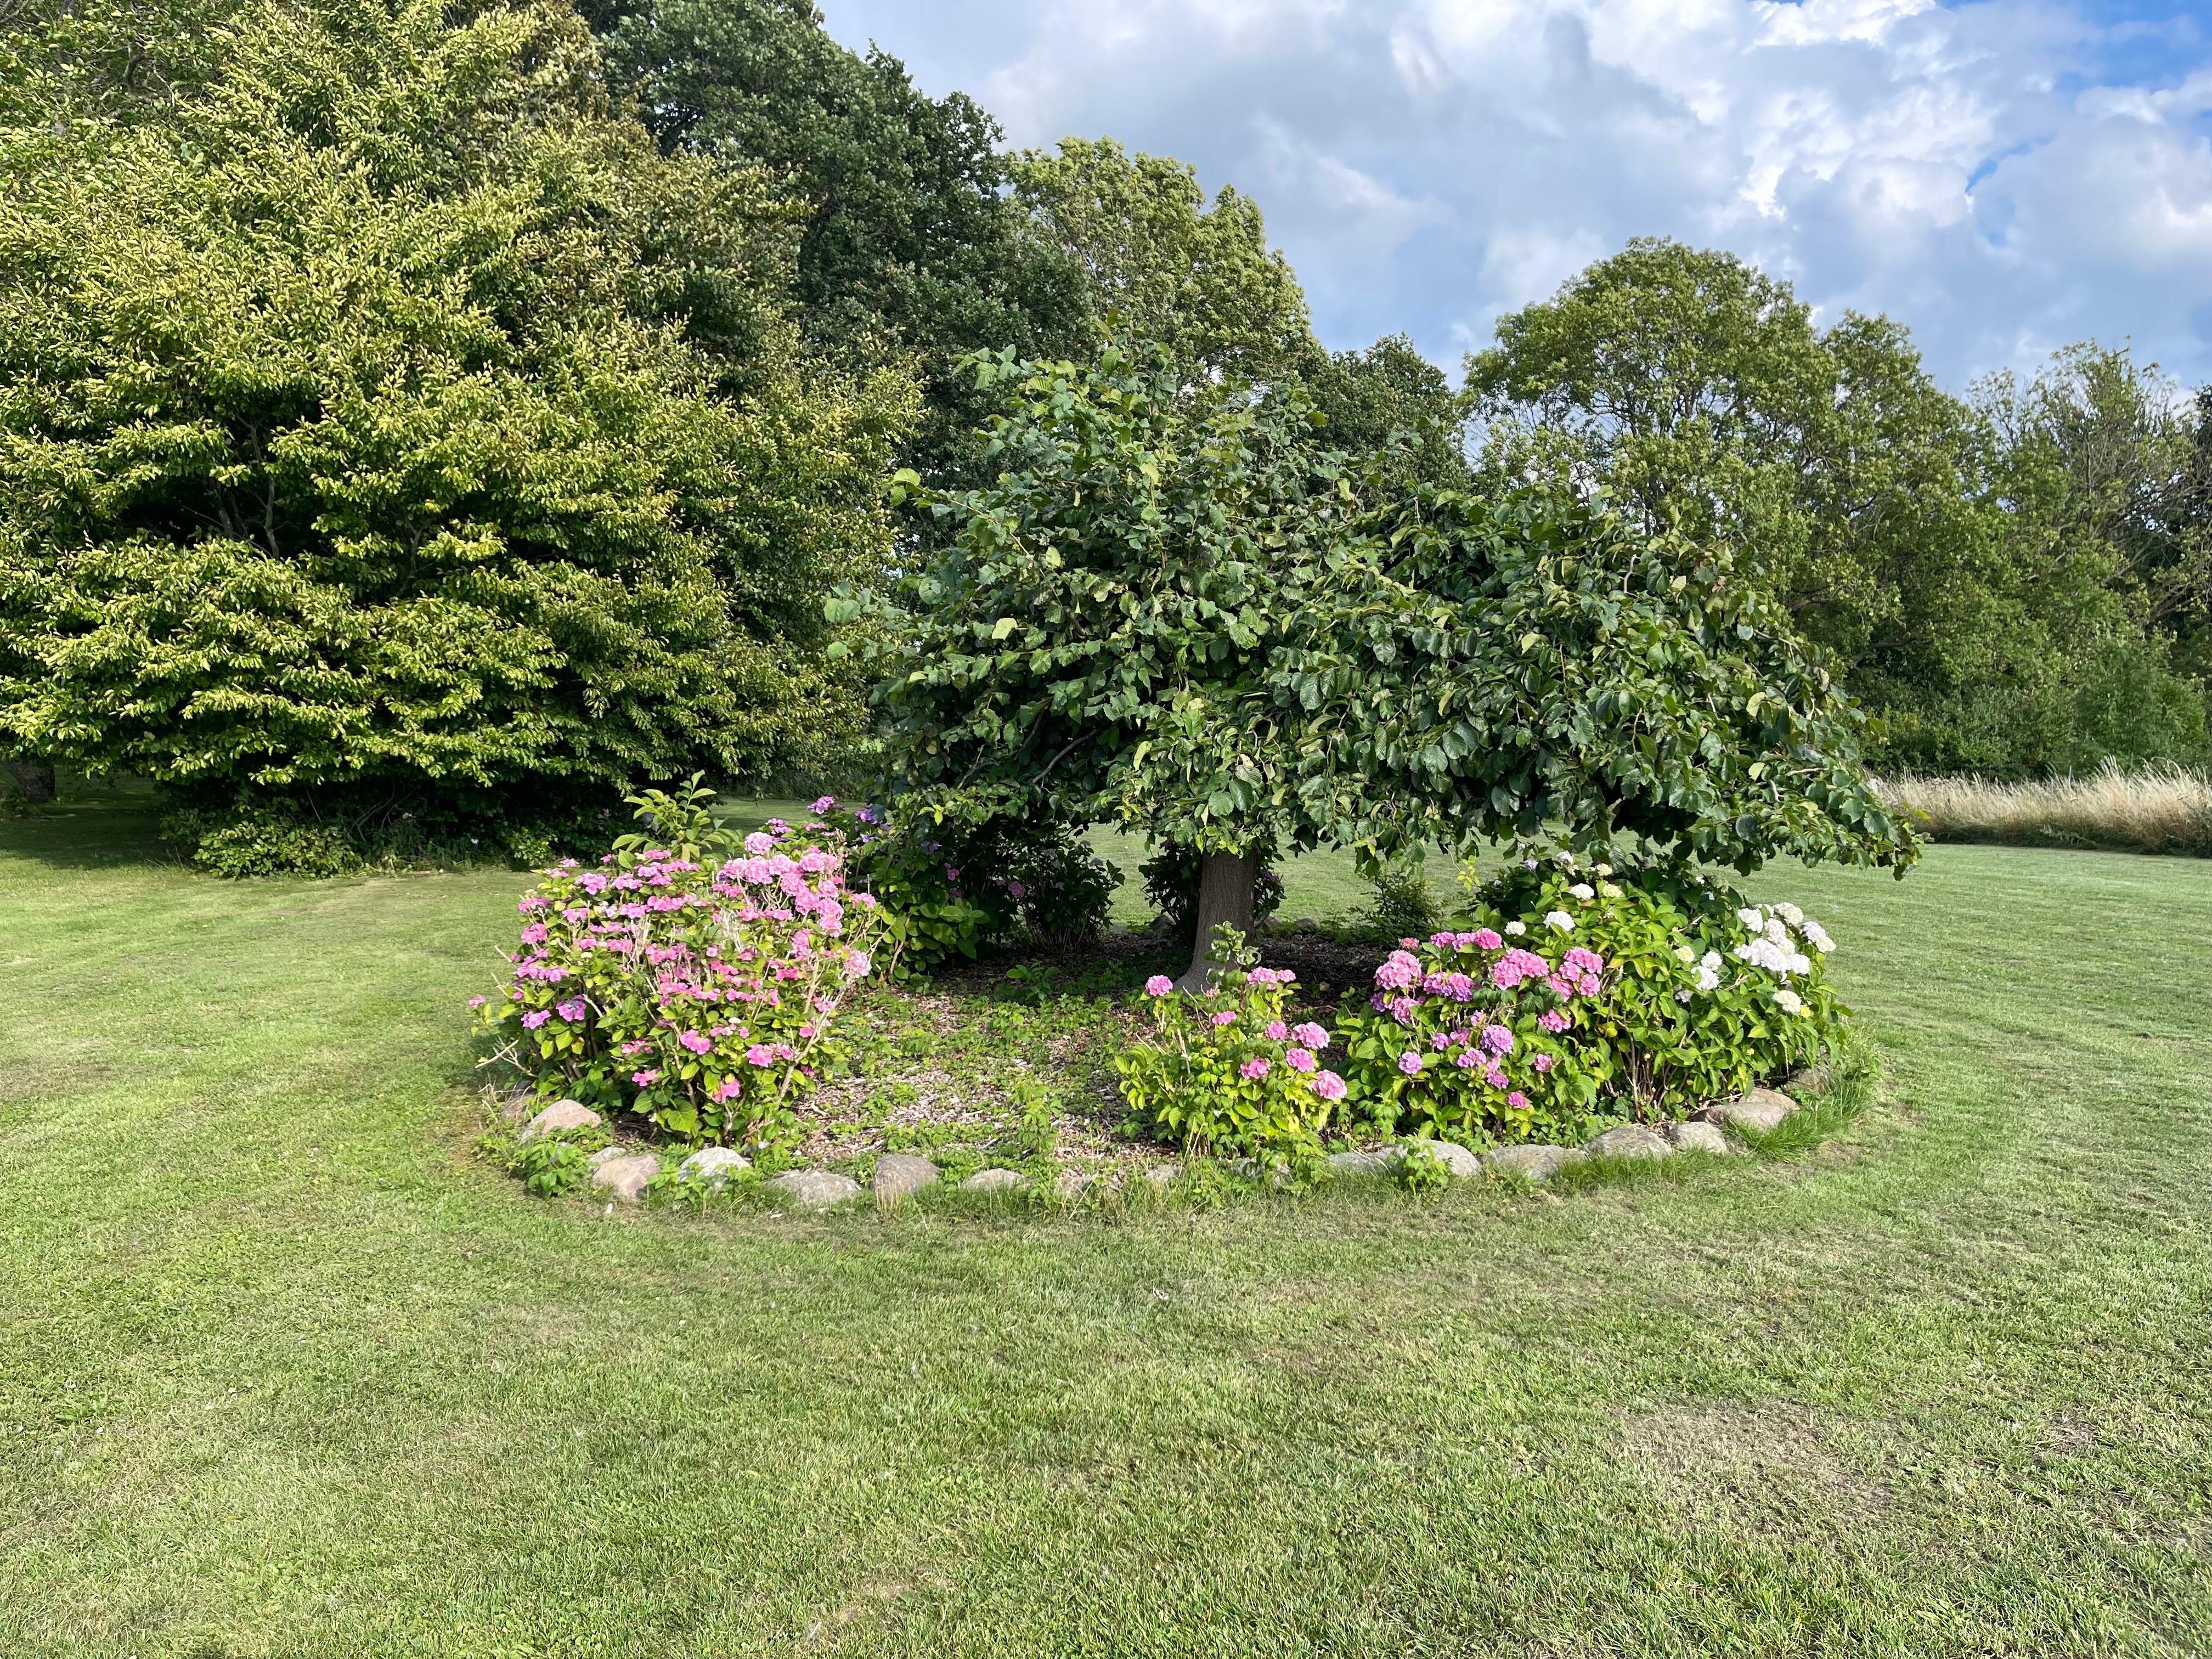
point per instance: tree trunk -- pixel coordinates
(34, 778)
(1225, 895)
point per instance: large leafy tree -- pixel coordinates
(1969, 567)
(388, 426)
(1195, 277)
(1173, 609)
(909, 245)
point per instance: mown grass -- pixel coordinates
(286, 1369)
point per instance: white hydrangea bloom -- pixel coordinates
(1789, 1001)
(1753, 918)
(1559, 922)
(1684, 954)
(1708, 978)
(1582, 889)
(1517, 928)
(1789, 913)
(1710, 959)
(1818, 936)
(1778, 931)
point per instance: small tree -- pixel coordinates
(1174, 611)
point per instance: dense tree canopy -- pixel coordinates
(386, 415)
(1983, 574)
(1174, 611)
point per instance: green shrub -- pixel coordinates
(1223, 1071)
(1403, 907)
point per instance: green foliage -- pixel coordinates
(2011, 582)
(1164, 265)
(1171, 610)
(387, 425)
(1223, 1071)
(554, 1165)
(1403, 905)
(909, 242)
(1418, 1169)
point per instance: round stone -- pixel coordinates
(625, 1177)
(995, 1181)
(898, 1174)
(1696, 1137)
(1362, 1164)
(714, 1165)
(1628, 1140)
(1760, 1111)
(815, 1189)
(561, 1114)
(1531, 1161)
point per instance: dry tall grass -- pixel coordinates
(2158, 808)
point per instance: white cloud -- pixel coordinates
(2002, 176)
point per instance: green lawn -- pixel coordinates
(286, 1369)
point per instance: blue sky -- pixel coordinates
(2003, 177)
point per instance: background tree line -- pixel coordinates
(420, 421)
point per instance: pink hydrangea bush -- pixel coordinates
(1230, 1070)
(1702, 994)
(701, 992)
(1468, 1037)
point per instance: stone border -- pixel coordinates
(624, 1172)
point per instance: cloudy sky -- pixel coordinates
(2004, 177)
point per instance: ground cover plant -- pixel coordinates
(289, 1369)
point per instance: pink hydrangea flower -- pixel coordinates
(698, 1041)
(1277, 1031)
(1301, 1060)
(759, 1054)
(1497, 1039)
(1399, 972)
(646, 1079)
(534, 1019)
(728, 1089)
(1467, 1059)
(1158, 986)
(1486, 940)
(1328, 1085)
(1255, 1068)
(760, 844)
(1518, 1100)
(1410, 1063)
(573, 1010)
(476, 1002)
(823, 803)
(1311, 1036)
(1543, 1062)
(1551, 1020)
(1226, 1017)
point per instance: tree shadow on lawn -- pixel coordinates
(94, 824)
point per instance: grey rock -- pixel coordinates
(1531, 1161)
(714, 1165)
(625, 1177)
(1460, 1162)
(1362, 1164)
(1306, 925)
(898, 1174)
(815, 1189)
(605, 1154)
(1761, 1111)
(1812, 1080)
(1628, 1140)
(561, 1114)
(1164, 1175)
(1069, 1185)
(995, 1181)
(1696, 1137)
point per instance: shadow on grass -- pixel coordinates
(95, 824)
